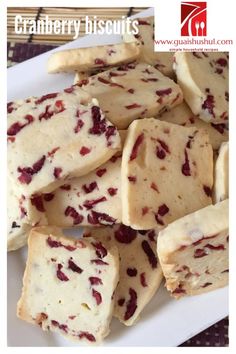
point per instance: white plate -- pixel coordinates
(164, 322)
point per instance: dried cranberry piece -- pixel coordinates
(25, 177)
(74, 267)
(101, 251)
(69, 89)
(98, 262)
(16, 127)
(179, 290)
(124, 234)
(104, 81)
(84, 150)
(161, 154)
(164, 145)
(121, 301)
(57, 171)
(47, 113)
(131, 305)
(206, 284)
(39, 164)
(79, 125)
(154, 187)
(63, 327)
(186, 167)
(219, 127)
(209, 104)
(95, 281)
(207, 190)
(89, 204)
(143, 22)
(66, 187)
(132, 179)
(37, 201)
(130, 90)
(77, 218)
(14, 225)
(111, 131)
(151, 235)
(112, 191)
(48, 197)
(163, 210)
(101, 172)
(226, 96)
(222, 62)
(136, 146)
(216, 248)
(88, 336)
(150, 254)
(199, 253)
(100, 218)
(99, 61)
(143, 280)
(164, 92)
(145, 210)
(60, 274)
(99, 125)
(53, 243)
(10, 107)
(46, 97)
(28, 172)
(90, 188)
(133, 105)
(97, 296)
(132, 272)
(197, 55)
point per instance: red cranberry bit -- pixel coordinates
(216, 248)
(150, 254)
(46, 97)
(79, 125)
(112, 191)
(63, 327)
(150, 80)
(52, 243)
(98, 262)
(219, 71)
(37, 201)
(143, 280)
(164, 92)
(130, 90)
(145, 210)
(136, 146)
(197, 55)
(158, 219)
(222, 62)
(219, 127)
(28, 172)
(209, 104)
(10, 107)
(48, 197)
(97, 296)
(88, 336)
(57, 171)
(114, 74)
(121, 302)
(11, 139)
(101, 172)
(99, 61)
(61, 276)
(133, 105)
(72, 317)
(95, 281)
(124, 234)
(206, 284)
(163, 145)
(66, 187)
(111, 131)
(16, 127)
(89, 204)
(163, 210)
(40, 318)
(227, 96)
(84, 150)
(104, 81)
(69, 89)
(179, 290)
(154, 187)
(132, 179)
(99, 125)
(100, 218)
(143, 22)
(199, 253)
(151, 235)
(132, 272)
(161, 154)
(131, 305)
(207, 190)
(53, 151)
(186, 167)
(60, 106)
(77, 218)
(101, 251)
(89, 188)
(74, 267)
(47, 113)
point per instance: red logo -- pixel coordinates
(193, 19)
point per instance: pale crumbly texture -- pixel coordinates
(182, 115)
(162, 61)
(193, 251)
(92, 58)
(140, 271)
(68, 285)
(163, 166)
(204, 79)
(133, 91)
(22, 214)
(221, 182)
(57, 137)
